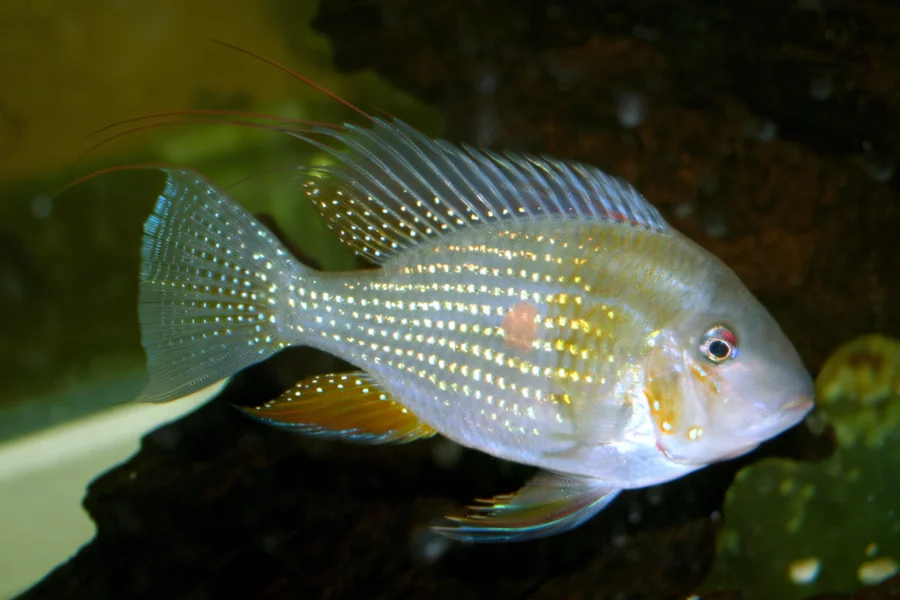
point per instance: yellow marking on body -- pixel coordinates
(662, 409)
(520, 325)
(558, 398)
(698, 372)
(705, 379)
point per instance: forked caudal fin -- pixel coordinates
(213, 289)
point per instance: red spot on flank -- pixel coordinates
(520, 325)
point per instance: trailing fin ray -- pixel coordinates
(391, 187)
(350, 406)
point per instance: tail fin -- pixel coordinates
(213, 288)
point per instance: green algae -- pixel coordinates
(795, 529)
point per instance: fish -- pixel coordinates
(538, 310)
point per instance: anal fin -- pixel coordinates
(349, 406)
(548, 504)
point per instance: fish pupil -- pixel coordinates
(718, 349)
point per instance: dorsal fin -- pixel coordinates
(391, 187)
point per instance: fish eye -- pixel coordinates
(719, 344)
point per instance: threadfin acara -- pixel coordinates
(537, 310)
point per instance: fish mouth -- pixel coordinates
(795, 410)
(802, 404)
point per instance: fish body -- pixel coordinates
(539, 311)
(430, 325)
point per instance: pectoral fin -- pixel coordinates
(546, 505)
(596, 414)
(350, 406)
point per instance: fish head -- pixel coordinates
(723, 378)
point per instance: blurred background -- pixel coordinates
(766, 131)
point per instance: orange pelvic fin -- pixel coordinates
(350, 406)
